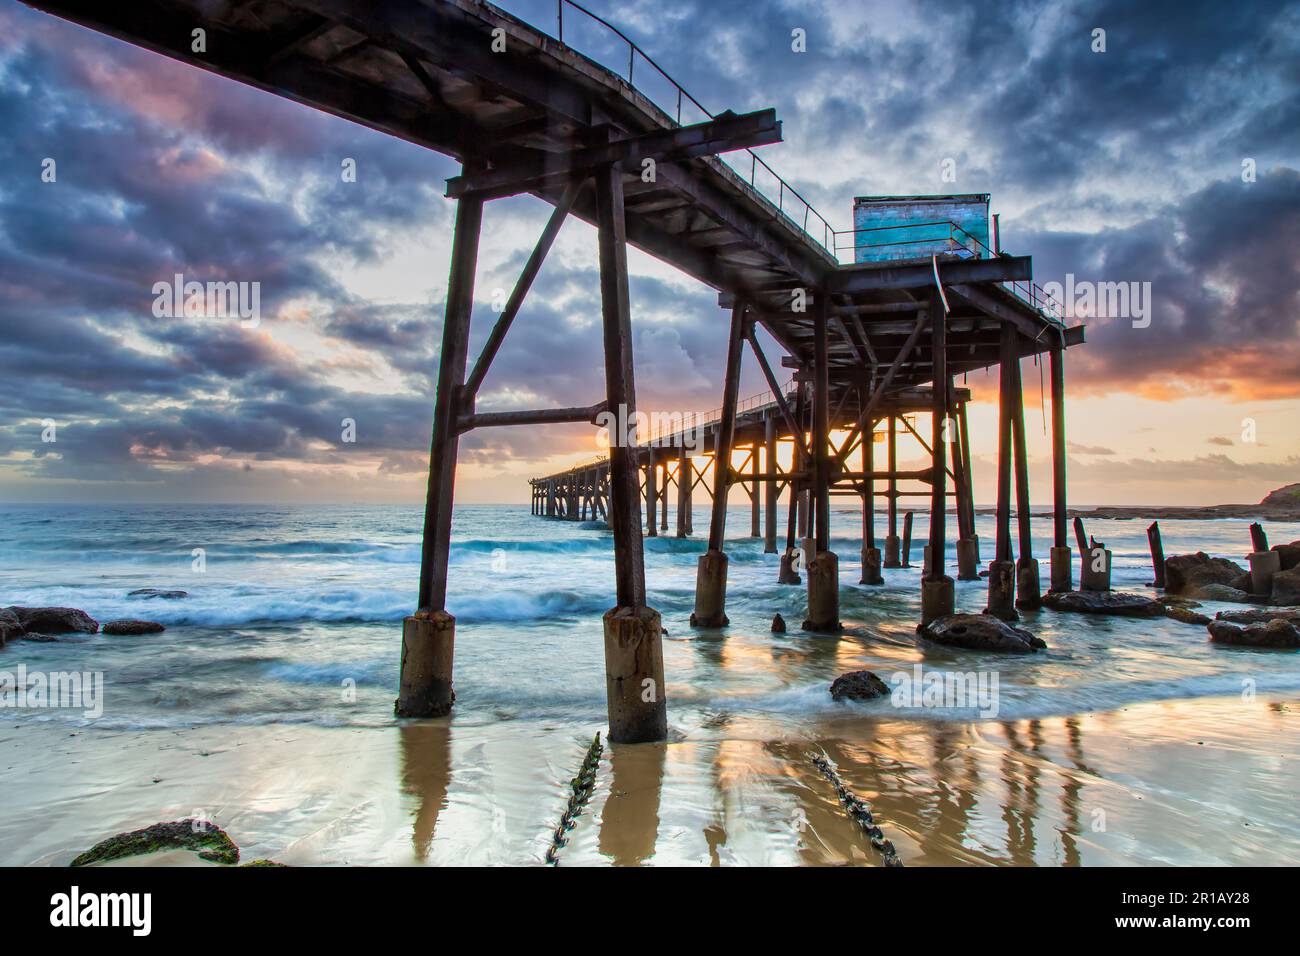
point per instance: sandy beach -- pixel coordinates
(266, 706)
(1193, 782)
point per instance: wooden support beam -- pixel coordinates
(919, 474)
(726, 428)
(723, 133)
(938, 419)
(773, 488)
(893, 479)
(685, 485)
(821, 425)
(878, 308)
(620, 390)
(420, 73)
(1058, 445)
(524, 283)
(782, 405)
(1006, 395)
(864, 417)
(870, 277)
(925, 445)
(543, 416)
(869, 490)
(1022, 464)
(967, 480)
(651, 492)
(436, 545)
(1032, 326)
(312, 27)
(797, 464)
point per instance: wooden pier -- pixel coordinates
(868, 343)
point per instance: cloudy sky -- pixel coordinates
(1125, 165)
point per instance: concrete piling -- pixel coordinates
(1094, 572)
(823, 593)
(1002, 590)
(938, 598)
(1062, 572)
(871, 567)
(1263, 565)
(1029, 596)
(711, 591)
(428, 649)
(892, 548)
(634, 675)
(968, 559)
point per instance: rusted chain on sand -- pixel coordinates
(858, 810)
(580, 789)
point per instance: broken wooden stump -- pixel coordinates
(1157, 554)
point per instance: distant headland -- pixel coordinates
(1281, 504)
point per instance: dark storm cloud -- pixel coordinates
(1225, 292)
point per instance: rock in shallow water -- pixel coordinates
(11, 628)
(1185, 614)
(156, 593)
(132, 627)
(981, 632)
(1289, 554)
(55, 620)
(1104, 602)
(1276, 633)
(1286, 587)
(1222, 592)
(1260, 615)
(1188, 574)
(858, 685)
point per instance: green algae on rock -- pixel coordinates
(211, 842)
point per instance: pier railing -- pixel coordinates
(922, 238)
(680, 104)
(676, 102)
(694, 420)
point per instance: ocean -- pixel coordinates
(293, 615)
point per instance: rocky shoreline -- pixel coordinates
(19, 623)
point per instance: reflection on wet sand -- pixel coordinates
(426, 776)
(629, 822)
(1182, 784)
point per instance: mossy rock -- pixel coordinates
(209, 840)
(261, 863)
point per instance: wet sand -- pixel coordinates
(1189, 782)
